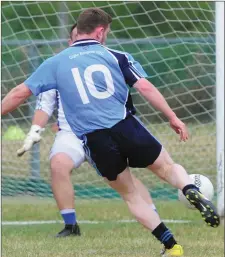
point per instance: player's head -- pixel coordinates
(73, 34)
(94, 23)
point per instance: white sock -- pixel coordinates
(65, 211)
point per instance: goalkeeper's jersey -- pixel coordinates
(48, 102)
(92, 81)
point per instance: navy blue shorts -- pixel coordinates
(128, 143)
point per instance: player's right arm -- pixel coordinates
(43, 79)
(156, 99)
(14, 98)
(44, 108)
(135, 77)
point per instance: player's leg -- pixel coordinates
(67, 153)
(125, 186)
(61, 168)
(165, 168)
(103, 152)
(145, 194)
(143, 213)
(62, 188)
(173, 173)
(143, 150)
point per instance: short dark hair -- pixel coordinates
(91, 18)
(72, 28)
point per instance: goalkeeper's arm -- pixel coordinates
(40, 119)
(44, 109)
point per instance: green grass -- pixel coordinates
(105, 239)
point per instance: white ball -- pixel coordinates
(204, 185)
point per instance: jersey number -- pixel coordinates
(90, 83)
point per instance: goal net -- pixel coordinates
(174, 42)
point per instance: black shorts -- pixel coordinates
(128, 143)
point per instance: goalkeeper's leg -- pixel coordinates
(176, 175)
(150, 219)
(67, 153)
(61, 168)
(62, 188)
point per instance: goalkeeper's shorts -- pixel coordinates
(128, 143)
(66, 142)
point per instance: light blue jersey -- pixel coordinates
(92, 81)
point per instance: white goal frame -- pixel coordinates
(220, 105)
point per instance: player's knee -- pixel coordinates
(163, 166)
(130, 195)
(164, 171)
(127, 193)
(60, 166)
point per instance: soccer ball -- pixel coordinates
(204, 185)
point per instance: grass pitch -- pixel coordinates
(108, 238)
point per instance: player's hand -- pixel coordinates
(179, 127)
(34, 136)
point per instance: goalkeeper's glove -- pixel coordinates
(34, 136)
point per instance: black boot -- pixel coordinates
(69, 230)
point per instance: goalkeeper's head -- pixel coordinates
(73, 34)
(93, 23)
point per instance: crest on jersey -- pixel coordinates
(85, 47)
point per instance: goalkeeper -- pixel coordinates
(66, 153)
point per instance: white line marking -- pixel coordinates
(39, 222)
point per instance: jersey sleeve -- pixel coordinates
(131, 69)
(43, 79)
(47, 101)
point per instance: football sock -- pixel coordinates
(190, 186)
(162, 233)
(69, 216)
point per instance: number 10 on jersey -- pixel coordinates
(88, 79)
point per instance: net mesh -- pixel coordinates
(174, 42)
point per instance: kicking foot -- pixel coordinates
(206, 208)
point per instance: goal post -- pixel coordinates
(220, 104)
(175, 42)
